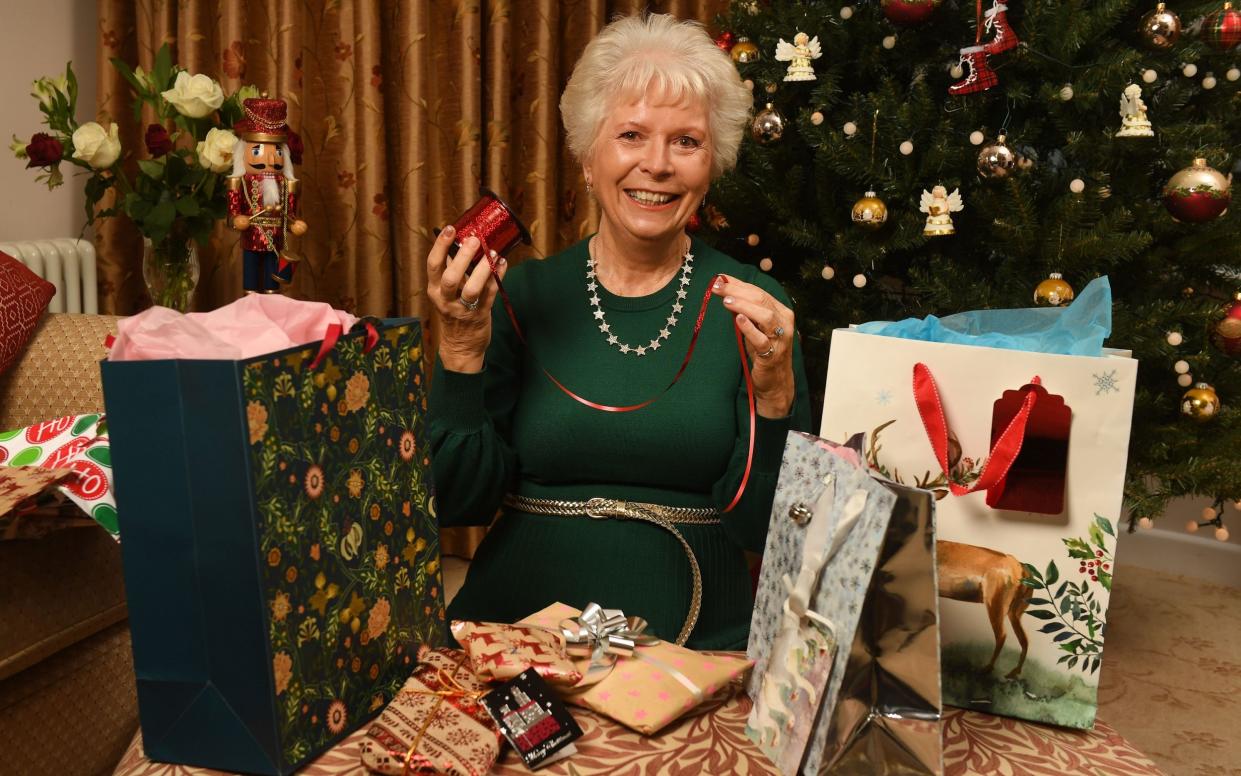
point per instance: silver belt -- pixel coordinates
(665, 517)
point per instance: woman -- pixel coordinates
(654, 111)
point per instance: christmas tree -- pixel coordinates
(1016, 111)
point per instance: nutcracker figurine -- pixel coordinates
(262, 195)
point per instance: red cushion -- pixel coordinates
(23, 300)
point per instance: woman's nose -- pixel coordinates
(657, 161)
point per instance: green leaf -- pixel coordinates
(1053, 574)
(1032, 572)
(1040, 614)
(161, 73)
(1105, 525)
(152, 168)
(1039, 602)
(1079, 549)
(1105, 579)
(1051, 627)
(1061, 636)
(187, 206)
(1096, 536)
(1063, 587)
(1073, 661)
(127, 73)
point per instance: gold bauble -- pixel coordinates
(996, 160)
(1053, 292)
(767, 126)
(1200, 403)
(1160, 28)
(744, 51)
(870, 212)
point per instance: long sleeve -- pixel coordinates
(473, 461)
(746, 524)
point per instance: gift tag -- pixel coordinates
(533, 719)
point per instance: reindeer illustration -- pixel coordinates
(991, 578)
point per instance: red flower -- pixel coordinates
(343, 51)
(44, 150)
(235, 60)
(296, 147)
(377, 76)
(157, 140)
(111, 39)
(345, 179)
(297, 70)
(381, 206)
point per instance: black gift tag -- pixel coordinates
(533, 719)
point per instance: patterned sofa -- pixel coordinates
(67, 698)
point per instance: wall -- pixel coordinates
(37, 38)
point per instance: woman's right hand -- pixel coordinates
(463, 297)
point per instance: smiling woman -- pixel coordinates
(654, 111)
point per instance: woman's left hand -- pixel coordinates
(767, 327)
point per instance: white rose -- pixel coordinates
(216, 151)
(45, 91)
(194, 96)
(96, 146)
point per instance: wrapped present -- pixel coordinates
(75, 442)
(637, 680)
(500, 652)
(436, 723)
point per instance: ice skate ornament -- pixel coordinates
(939, 206)
(1133, 121)
(798, 54)
(1003, 37)
(974, 59)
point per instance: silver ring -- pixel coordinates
(768, 352)
(471, 306)
(778, 333)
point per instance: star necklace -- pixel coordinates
(592, 288)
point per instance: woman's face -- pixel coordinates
(651, 166)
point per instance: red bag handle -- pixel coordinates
(1003, 452)
(332, 334)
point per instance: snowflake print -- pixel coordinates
(1106, 383)
(884, 397)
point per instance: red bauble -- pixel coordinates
(909, 12)
(1222, 29)
(1226, 334)
(725, 40)
(1197, 193)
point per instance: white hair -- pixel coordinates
(656, 53)
(239, 162)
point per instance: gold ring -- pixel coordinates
(768, 352)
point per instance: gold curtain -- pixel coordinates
(406, 108)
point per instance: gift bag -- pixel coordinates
(871, 706)
(279, 543)
(1026, 452)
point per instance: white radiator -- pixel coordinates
(68, 264)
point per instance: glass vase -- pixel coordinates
(170, 269)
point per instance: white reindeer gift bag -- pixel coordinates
(1026, 452)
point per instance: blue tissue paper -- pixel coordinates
(1076, 330)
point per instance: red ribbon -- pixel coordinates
(332, 334)
(693, 342)
(1003, 452)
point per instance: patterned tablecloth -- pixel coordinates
(712, 741)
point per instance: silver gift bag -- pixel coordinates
(874, 593)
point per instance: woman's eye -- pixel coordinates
(685, 141)
(630, 135)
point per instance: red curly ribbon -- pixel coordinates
(702, 313)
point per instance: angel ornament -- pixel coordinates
(798, 54)
(939, 206)
(1133, 121)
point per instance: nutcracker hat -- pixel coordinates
(264, 120)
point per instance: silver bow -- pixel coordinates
(604, 635)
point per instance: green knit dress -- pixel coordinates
(510, 429)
